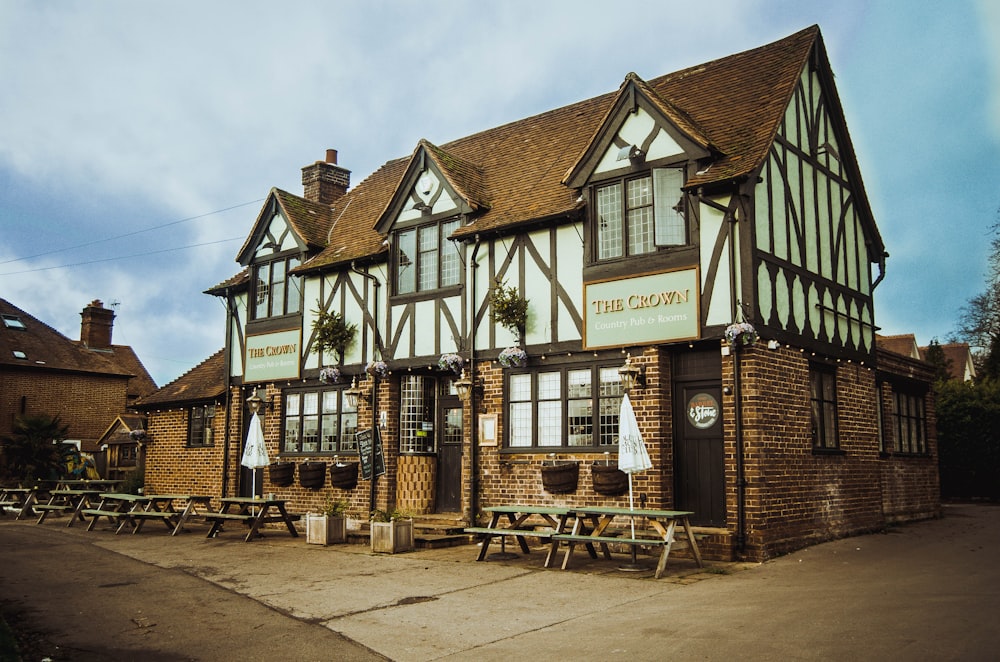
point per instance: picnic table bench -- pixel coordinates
(521, 523)
(67, 501)
(19, 500)
(254, 512)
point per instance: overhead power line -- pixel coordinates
(127, 234)
(120, 257)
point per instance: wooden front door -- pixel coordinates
(450, 437)
(699, 458)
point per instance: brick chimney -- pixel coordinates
(95, 327)
(324, 181)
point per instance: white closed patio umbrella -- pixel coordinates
(632, 455)
(255, 452)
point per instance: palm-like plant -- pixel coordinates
(34, 451)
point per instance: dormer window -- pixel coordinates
(637, 215)
(275, 292)
(425, 259)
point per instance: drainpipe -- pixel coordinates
(473, 427)
(374, 401)
(741, 481)
(227, 360)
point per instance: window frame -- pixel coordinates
(345, 442)
(823, 407)
(287, 287)
(658, 232)
(200, 433)
(445, 263)
(909, 427)
(604, 398)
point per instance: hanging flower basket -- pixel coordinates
(741, 334)
(561, 477)
(137, 435)
(329, 375)
(378, 369)
(451, 362)
(513, 357)
(312, 475)
(344, 476)
(609, 480)
(282, 473)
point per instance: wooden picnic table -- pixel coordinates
(522, 522)
(252, 512)
(652, 528)
(161, 507)
(67, 501)
(119, 508)
(19, 500)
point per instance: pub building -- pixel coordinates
(702, 240)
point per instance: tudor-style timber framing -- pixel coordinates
(725, 192)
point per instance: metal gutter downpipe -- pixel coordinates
(374, 401)
(473, 427)
(227, 360)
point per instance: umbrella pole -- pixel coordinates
(634, 566)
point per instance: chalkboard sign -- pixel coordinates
(368, 439)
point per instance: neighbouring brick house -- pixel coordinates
(87, 383)
(640, 226)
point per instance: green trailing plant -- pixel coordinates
(508, 308)
(332, 333)
(34, 450)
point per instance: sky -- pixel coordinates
(139, 139)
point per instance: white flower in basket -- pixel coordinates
(452, 362)
(329, 375)
(513, 357)
(741, 333)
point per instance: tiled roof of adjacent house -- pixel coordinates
(905, 344)
(34, 345)
(205, 381)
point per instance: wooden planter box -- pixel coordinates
(312, 475)
(344, 476)
(282, 474)
(392, 537)
(560, 478)
(609, 480)
(325, 529)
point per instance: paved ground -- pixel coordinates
(925, 591)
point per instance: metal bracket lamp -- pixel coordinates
(257, 404)
(466, 388)
(633, 376)
(354, 394)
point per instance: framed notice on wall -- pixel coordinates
(487, 429)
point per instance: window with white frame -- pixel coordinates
(636, 215)
(417, 408)
(425, 259)
(573, 406)
(276, 292)
(319, 421)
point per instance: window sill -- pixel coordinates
(828, 451)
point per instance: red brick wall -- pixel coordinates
(87, 403)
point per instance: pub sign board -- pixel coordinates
(369, 440)
(272, 356)
(647, 309)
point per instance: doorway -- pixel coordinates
(699, 445)
(450, 436)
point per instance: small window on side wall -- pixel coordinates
(200, 425)
(823, 398)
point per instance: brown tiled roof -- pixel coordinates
(733, 105)
(958, 357)
(236, 282)
(310, 220)
(205, 381)
(905, 344)
(47, 349)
